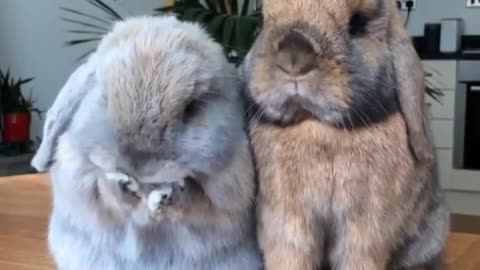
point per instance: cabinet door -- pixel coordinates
(444, 108)
(441, 74)
(442, 132)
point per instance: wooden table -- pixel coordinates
(24, 209)
(25, 206)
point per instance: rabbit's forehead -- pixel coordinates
(149, 69)
(164, 79)
(318, 11)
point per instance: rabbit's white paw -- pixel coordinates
(167, 195)
(126, 183)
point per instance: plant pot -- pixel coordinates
(16, 127)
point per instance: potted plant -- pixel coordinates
(16, 109)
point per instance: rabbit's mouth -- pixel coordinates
(285, 116)
(280, 112)
(297, 108)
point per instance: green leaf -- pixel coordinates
(223, 7)
(234, 6)
(11, 94)
(165, 9)
(24, 81)
(189, 14)
(244, 33)
(7, 77)
(204, 17)
(105, 8)
(244, 11)
(192, 3)
(85, 24)
(85, 15)
(211, 5)
(87, 32)
(215, 26)
(228, 31)
(80, 41)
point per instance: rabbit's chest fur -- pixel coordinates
(331, 172)
(83, 234)
(173, 246)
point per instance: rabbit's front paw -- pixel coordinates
(126, 183)
(168, 198)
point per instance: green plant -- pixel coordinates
(90, 28)
(12, 98)
(233, 26)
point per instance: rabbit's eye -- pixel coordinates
(190, 110)
(358, 23)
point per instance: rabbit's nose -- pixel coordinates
(295, 55)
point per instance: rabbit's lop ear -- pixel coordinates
(410, 89)
(61, 113)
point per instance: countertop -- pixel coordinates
(25, 204)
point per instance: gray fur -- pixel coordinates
(128, 119)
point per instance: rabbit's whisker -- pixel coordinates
(256, 118)
(350, 119)
(373, 96)
(390, 84)
(249, 109)
(375, 103)
(365, 122)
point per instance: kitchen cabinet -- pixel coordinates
(442, 74)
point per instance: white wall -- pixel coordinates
(434, 10)
(31, 43)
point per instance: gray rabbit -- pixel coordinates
(149, 161)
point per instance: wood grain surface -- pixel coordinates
(25, 205)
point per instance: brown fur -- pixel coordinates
(342, 176)
(361, 196)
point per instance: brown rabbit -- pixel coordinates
(345, 160)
